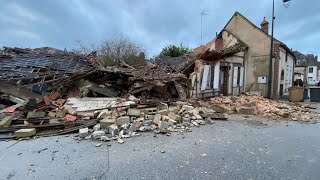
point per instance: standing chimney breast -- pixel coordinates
(265, 26)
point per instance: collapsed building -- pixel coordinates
(46, 91)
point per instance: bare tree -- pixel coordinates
(115, 51)
(84, 49)
(120, 49)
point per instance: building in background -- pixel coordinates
(307, 68)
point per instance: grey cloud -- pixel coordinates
(153, 23)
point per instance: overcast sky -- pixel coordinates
(152, 23)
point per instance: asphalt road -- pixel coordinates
(225, 150)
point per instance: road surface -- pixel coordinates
(232, 149)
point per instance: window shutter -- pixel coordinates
(205, 77)
(235, 76)
(216, 76)
(241, 76)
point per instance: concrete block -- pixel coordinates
(195, 111)
(220, 108)
(105, 123)
(84, 132)
(157, 119)
(86, 114)
(140, 119)
(132, 119)
(148, 117)
(32, 114)
(218, 116)
(6, 121)
(60, 114)
(198, 117)
(22, 133)
(122, 120)
(113, 130)
(52, 114)
(164, 112)
(98, 134)
(187, 107)
(105, 114)
(163, 125)
(151, 111)
(163, 106)
(97, 127)
(135, 126)
(174, 116)
(54, 121)
(174, 109)
(133, 112)
(247, 110)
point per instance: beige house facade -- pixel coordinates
(256, 58)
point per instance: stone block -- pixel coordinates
(60, 114)
(86, 114)
(122, 120)
(140, 119)
(105, 123)
(163, 125)
(113, 130)
(187, 107)
(174, 109)
(163, 106)
(97, 127)
(251, 104)
(84, 132)
(105, 114)
(157, 119)
(6, 121)
(174, 116)
(218, 116)
(98, 134)
(195, 111)
(22, 133)
(247, 110)
(198, 117)
(52, 114)
(133, 112)
(220, 108)
(135, 126)
(32, 115)
(54, 121)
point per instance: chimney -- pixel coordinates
(265, 25)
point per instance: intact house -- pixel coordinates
(307, 68)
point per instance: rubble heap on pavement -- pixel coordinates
(107, 117)
(263, 107)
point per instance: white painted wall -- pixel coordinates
(286, 66)
(312, 76)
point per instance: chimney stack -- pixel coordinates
(265, 25)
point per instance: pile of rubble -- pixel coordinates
(110, 117)
(124, 119)
(263, 107)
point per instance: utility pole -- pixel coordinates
(286, 4)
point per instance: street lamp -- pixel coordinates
(286, 4)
